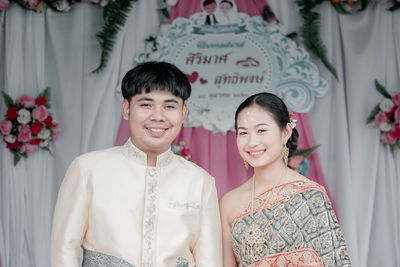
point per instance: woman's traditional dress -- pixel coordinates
(296, 227)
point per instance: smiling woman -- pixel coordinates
(278, 217)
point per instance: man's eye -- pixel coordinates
(145, 105)
(170, 107)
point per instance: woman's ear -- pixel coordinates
(287, 132)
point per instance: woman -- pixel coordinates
(278, 217)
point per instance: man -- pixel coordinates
(140, 204)
(209, 7)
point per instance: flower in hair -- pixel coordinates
(292, 119)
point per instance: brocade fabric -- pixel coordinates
(296, 227)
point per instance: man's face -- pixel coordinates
(210, 8)
(155, 120)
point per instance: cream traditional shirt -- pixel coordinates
(111, 202)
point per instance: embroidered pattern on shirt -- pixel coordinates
(97, 259)
(150, 218)
(190, 205)
(181, 262)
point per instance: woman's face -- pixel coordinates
(225, 7)
(259, 138)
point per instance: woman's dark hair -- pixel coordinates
(277, 108)
(154, 75)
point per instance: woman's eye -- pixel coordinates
(242, 133)
(261, 131)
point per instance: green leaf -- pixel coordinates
(373, 113)
(47, 94)
(48, 150)
(268, 14)
(392, 146)
(394, 7)
(306, 152)
(17, 158)
(115, 14)
(7, 99)
(310, 31)
(382, 90)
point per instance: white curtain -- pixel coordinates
(60, 50)
(361, 174)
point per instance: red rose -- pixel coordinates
(395, 133)
(35, 141)
(14, 146)
(12, 112)
(36, 128)
(185, 152)
(391, 112)
(41, 100)
(48, 121)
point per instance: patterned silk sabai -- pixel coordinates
(296, 227)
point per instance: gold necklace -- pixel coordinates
(255, 237)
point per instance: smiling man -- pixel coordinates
(140, 204)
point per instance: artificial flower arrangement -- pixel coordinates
(182, 150)
(28, 124)
(386, 115)
(299, 160)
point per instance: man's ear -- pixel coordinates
(185, 113)
(125, 109)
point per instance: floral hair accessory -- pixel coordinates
(292, 119)
(28, 125)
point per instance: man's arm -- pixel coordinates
(70, 218)
(208, 248)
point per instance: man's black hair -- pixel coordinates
(154, 75)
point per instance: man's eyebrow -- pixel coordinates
(145, 99)
(171, 101)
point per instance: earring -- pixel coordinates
(246, 165)
(285, 154)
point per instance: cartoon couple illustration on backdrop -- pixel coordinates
(219, 12)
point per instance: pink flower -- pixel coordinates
(295, 161)
(34, 3)
(56, 133)
(4, 4)
(397, 115)
(24, 134)
(27, 100)
(396, 98)
(40, 113)
(5, 127)
(28, 149)
(380, 118)
(387, 138)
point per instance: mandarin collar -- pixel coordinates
(162, 159)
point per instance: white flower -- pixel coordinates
(164, 29)
(171, 2)
(24, 116)
(273, 26)
(386, 105)
(10, 138)
(155, 54)
(385, 127)
(44, 143)
(44, 133)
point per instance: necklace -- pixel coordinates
(255, 238)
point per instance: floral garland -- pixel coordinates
(310, 31)
(182, 150)
(115, 13)
(28, 125)
(299, 160)
(386, 116)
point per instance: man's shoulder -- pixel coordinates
(192, 169)
(96, 156)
